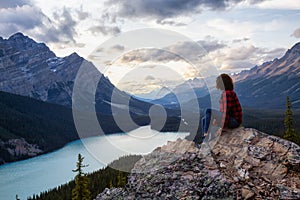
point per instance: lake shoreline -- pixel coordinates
(49, 170)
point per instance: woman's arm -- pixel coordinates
(223, 108)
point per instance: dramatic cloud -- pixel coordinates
(19, 19)
(296, 33)
(184, 50)
(163, 9)
(65, 25)
(106, 25)
(13, 3)
(32, 21)
(243, 57)
(211, 45)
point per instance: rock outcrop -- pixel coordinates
(240, 164)
(14, 149)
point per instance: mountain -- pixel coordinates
(240, 164)
(31, 69)
(268, 85)
(265, 86)
(155, 94)
(183, 93)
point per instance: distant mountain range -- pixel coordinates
(265, 86)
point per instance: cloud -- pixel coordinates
(211, 45)
(82, 15)
(106, 25)
(149, 78)
(280, 5)
(244, 57)
(105, 30)
(240, 40)
(65, 25)
(164, 9)
(32, 21)
(118, 47)
(170, 22)
(20, 18)
(13, 3)
(296, 33)
(184, 50)
(217, 53)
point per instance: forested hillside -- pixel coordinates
(46, 125)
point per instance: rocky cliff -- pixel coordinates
(240, 164)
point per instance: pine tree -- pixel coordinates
(81, 191)
(290, 133)
(121, 179)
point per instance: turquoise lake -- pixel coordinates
(41, 173)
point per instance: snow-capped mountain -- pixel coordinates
(155, 94)
(182, 93)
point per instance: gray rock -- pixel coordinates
(243, 164)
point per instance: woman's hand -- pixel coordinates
(219, 131)
(214, 122)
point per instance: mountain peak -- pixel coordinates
(295, 48)
(17, 35)
(297, 45)
(20, 38)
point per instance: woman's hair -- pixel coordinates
(224, 82)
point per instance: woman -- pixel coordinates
(230, 114)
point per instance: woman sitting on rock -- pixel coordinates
(230, 114)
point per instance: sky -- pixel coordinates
(234, 35)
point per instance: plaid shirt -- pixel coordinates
(230, 107)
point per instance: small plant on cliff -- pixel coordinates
(289, 133)
(81, 191)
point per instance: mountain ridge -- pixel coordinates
(267, 69)
(31, 69)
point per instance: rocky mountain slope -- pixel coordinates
(241, 164)
(268, 85)
(31, 69)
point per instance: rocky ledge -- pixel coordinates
(240, 164)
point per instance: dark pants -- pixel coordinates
(214, 114)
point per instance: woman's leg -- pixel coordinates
(217, 115)
(233, 123)
(206, 121)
